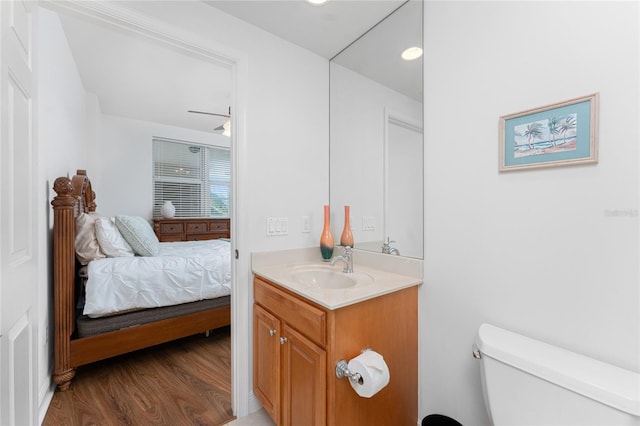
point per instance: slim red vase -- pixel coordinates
(326, 239)
(346, 239)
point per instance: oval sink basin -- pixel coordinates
(328, 278)
(323, 278)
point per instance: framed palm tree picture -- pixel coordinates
(560, 134)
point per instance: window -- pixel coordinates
(195, 178)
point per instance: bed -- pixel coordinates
(81, 338)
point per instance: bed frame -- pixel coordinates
(75, 196)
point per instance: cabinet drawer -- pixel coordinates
(196, 227)
(171, 228)
(307, 319)
(218, 227)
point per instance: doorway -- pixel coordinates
(124, 21)
(403, 190)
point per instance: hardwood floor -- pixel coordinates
(186, 382)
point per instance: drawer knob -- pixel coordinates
(283, 340)
(272, 332)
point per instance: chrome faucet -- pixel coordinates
(347, 258)
(387, 249)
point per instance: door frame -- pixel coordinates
(107, 11)
(396, 118)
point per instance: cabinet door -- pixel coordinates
(266, 361)
(303, 381)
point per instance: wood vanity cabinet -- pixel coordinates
(191, 229)
(289, 368)
(297, 344)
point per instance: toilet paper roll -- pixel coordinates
(373, 370)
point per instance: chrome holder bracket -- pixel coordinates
(342, 370)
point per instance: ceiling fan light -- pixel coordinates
(227, 128)
(412, 53)
(317, 2)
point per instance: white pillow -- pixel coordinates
(86, 243)
(111, 241)
(138, 233)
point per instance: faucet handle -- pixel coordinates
(386, 246)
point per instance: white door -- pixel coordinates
(403, 219)
(18, 219)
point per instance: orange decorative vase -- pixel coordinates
(346, 239)
(326, 239)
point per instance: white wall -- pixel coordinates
(62, 116)
(124, 182)
(357, 149)
(538, 252)
(62, 105)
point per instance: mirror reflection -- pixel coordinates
(376, 139)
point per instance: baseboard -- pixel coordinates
(47, 390)
(254, 403)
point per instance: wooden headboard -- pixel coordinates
(74, 196)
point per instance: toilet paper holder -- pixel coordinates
(342, 370)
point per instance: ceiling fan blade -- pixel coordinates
(210, 113)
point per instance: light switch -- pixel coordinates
(277, 226)
(368, 223)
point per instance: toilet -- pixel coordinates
(528, 382)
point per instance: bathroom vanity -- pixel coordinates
(302, 330)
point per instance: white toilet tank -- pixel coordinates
(528, 382)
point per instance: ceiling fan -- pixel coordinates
(225, 128)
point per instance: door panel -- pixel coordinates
(304, 393)
(19, 340)
(266, 370)
(18, 218)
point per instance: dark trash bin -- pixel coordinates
(439, 420)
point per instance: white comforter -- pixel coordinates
(182, 272)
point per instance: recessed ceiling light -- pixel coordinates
(412, 53)
(317, 2)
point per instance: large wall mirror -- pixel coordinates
(376, 138)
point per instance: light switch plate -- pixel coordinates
(277, 226)
(368, 223)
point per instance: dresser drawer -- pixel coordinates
(304, 317)
(218, 227)
(200, 237)
(187, 229)
(171, 228)
(169, 238)
(196, 227)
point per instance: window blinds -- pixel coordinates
(195, 178)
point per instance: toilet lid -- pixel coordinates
(609, 384)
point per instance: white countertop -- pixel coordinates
(383, 274)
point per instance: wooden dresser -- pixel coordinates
(191, 229)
